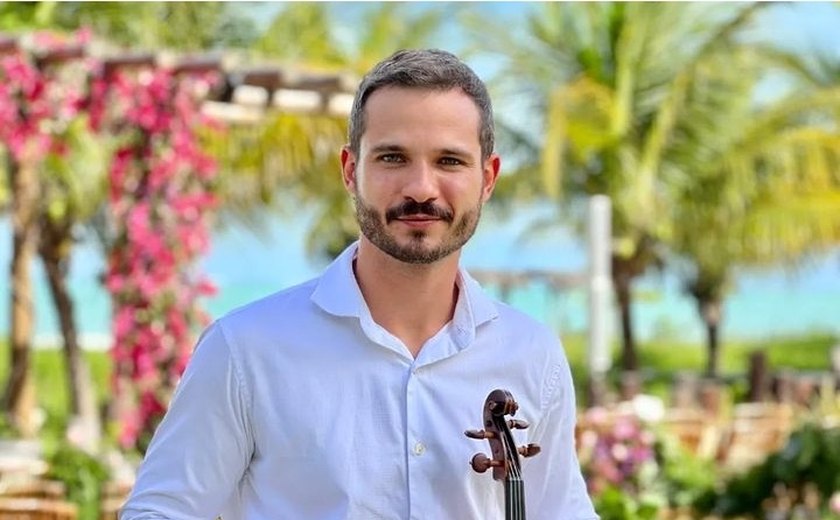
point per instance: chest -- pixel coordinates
(377, 433)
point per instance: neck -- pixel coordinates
(411, 301)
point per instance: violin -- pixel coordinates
(505, 454)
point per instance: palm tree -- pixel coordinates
(305, 35)
(33, 222)
(19, 397)
(757, 183)
(72, 183)
(609, 83)
(158, 25)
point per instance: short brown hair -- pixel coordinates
(432, 69)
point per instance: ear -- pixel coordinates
(348, 169)
(490, 174)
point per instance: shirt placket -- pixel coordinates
(416, 444)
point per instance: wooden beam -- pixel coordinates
(8, 44)
(127, 61)
(197, 65)
(334, 92)
(58, 56)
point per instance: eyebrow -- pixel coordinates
(391, 148)
(456, 152)
(387, 147)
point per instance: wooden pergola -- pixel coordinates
(245, 94)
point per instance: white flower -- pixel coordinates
(620, 452)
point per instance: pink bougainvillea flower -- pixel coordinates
(161, 198)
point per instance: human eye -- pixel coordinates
(393, 158)
(451, 161)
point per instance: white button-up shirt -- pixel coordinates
(299, 406)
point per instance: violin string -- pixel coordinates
(515, 483)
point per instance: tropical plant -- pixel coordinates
(609, 84)
(155, 25)
(307, 36)
(38, 107)
(73, 182)
(83, 476)
(756, 183)
(805, 473)
(74, 179)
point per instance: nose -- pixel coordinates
(421, 183)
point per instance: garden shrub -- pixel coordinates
(82, 474)
(809, 463)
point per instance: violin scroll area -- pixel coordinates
(505, 461)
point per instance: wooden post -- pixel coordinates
(599, 290)
(758, 376)
(630, 385)
(711, 397)
(684, 392)
(783, 386)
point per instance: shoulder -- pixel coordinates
(526, 331)
(504, 319)
(266, 320)
(274, 307)
(524, 324)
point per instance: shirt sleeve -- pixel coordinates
(202, 447)
(554, 486)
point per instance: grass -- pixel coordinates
(50, 377)
(660, 361)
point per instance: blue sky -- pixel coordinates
(800, 25)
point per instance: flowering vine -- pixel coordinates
(161, 201)
(36, 102)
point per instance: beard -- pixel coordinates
(417, 251)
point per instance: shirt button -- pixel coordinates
(419, 449)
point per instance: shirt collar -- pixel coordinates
(338, 293)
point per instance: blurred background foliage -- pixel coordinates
(719, 147)
(662, 107)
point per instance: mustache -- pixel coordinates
(411, 208)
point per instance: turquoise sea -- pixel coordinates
(246, 266)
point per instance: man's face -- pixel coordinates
(418, 182)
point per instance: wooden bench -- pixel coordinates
(36, 509)
(696, 431)
(757, 429)
(114, 495)
(34, 488)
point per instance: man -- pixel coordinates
(347, 397)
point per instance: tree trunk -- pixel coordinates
(711, 313)
(621, 282)
(624, 271)
(19, 396)
(84, 424)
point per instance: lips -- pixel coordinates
(418, 221)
